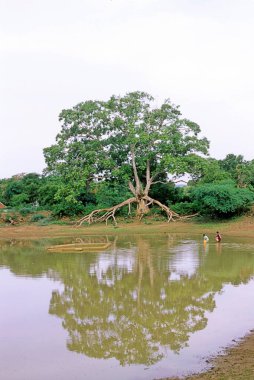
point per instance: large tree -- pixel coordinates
(130, 139)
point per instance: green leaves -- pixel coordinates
(221, 200)
(21, 191)
(96, 137)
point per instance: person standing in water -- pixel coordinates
(218, 237)
(205, 238)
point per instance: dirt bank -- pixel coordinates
(237, 363)
(243, 227)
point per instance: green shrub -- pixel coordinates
(184, 208)
(109, 194)
(26, 210)
(154, 210)
(221, 200)
(65, 208)
(89, 208)
(49, 221)
(37, 217)
(19, 200)
(9, 218)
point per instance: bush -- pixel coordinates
(89, 208)
(26, 210)
(221, 200)
(19, 199)
(49, 221)
(109, 194)
(37, 217)
(65, 208)
(184, 208)
(10, 218)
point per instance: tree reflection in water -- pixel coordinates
(123, 303)
(130, 314)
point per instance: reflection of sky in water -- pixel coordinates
(123, 260)
(184, 260)
(226, 322)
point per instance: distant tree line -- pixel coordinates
(126, 151)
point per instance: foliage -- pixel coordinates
(19, 200)
(184, 208)
(26, 211)
(96, 138)
(37, 217)
(164, 192)
(110, 193)
(65, 208)
(222, 199)
(240, 170)
(47, 192)
(208, 171)
(20, 190)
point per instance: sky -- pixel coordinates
(57, 53)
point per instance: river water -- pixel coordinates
(146, 308)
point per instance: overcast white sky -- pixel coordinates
(57, 53)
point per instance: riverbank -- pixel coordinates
(242, 227)
(237, 363)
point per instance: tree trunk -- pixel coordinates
(142, 208)
(141, 197)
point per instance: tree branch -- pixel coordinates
(137, 180)
(132, 188)
(148, 178)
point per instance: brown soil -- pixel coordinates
(243, 227)
(238, 362)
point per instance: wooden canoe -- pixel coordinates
(79, 247)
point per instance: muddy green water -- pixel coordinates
(148, 307)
